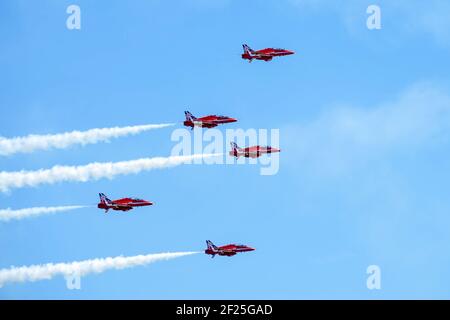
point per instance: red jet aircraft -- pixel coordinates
(228, 250)
(251, 152)
(123, 204)
(264, 54)
(210, 121)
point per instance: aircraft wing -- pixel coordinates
(209, 124)
(123, 207)
(230, 252)
(264, 56)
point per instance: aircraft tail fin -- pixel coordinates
(247, 49)
(211, 245)
(189, 116)
(234, 146)
(104, 198)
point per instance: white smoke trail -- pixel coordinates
(81, 268)
(34, 142)
(9, 214)
(92, 171)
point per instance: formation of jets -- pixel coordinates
(210, 121)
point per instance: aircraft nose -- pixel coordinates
(251, 249)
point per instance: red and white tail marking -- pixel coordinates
(234, 146)
(247, 49)
(189, 116)
(104, 198)
(211, 245)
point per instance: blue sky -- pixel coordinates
(364, 119)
